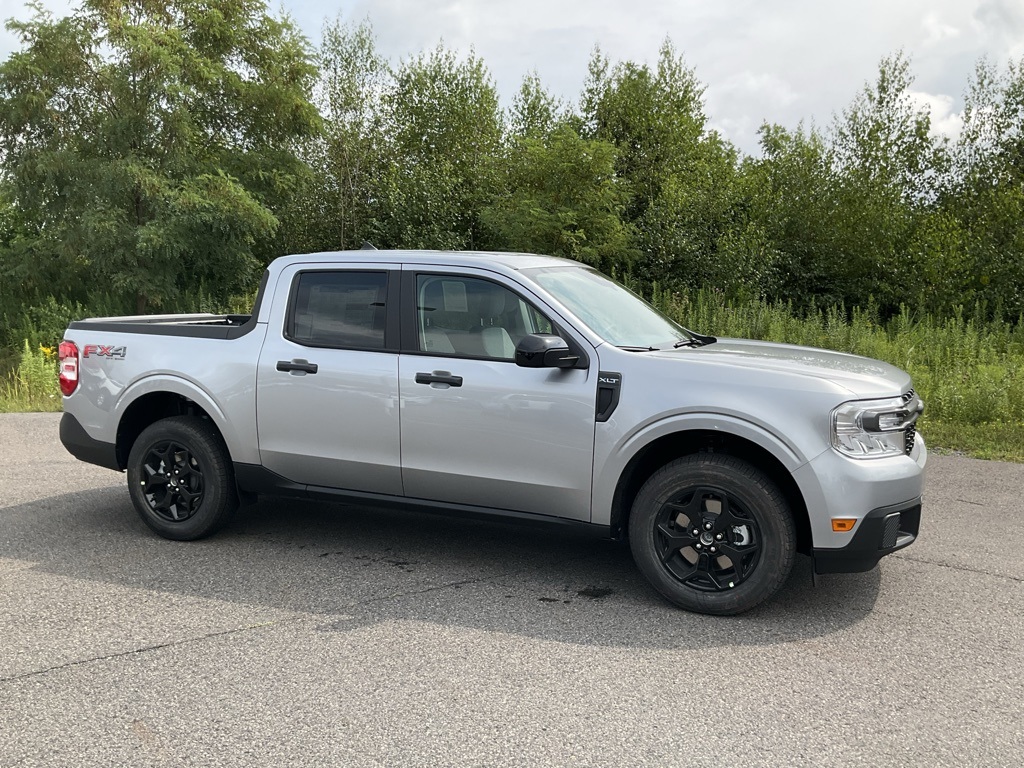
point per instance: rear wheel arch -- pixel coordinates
(663, 450)
(149, 409)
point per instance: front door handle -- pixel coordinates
(301, 367)
(439, 377)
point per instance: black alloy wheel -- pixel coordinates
(172, 481)
(181, 479)
(707, 540)
(713, 534)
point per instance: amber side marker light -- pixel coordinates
(843, 524)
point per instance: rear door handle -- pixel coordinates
(297, 366)
(439, 377)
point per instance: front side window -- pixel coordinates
(339, 309)
(469, 317)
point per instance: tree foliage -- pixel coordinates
(883, 156)
(151, 146)
(147, 141)
(441, 128)
(332, 209)
(682, 208)
(534, 112)
(561, 197)
(983, 197)
(792, 199)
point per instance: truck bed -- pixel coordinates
(200, 325)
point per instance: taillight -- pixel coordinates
(68, 353)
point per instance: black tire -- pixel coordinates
(732, 513)
(181, 480)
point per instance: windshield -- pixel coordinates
(612, 311)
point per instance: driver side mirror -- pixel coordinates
(544, 350)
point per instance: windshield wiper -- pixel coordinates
(696, 340)
(636, 349)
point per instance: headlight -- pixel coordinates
(870, 429)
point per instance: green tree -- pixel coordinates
(441, 129)
(883, 136)
(561, 197)
(332, 208)
(535, 112)
(792, 198)
(18, 280)
(885, 162)
(849, 215)
(655, 119)
(682, 177)
(148, 141)
(984, 192)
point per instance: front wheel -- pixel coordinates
(712, 534)
(180, 478)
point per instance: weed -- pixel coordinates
(970, 373)
(33, 385)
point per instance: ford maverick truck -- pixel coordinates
(508, 385)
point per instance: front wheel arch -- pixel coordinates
(667, 448)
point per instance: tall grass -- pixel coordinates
(969, 372)
(32, 386)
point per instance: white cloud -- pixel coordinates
(944, 120)
(937, 30)
(761, 85)
(781, 62)
(1001, 24)
(739, 105)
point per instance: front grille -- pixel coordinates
(910, 432)
(890, 531)
(908, 439)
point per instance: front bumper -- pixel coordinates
(881, 532)
(834, 486)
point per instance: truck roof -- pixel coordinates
(453, 258)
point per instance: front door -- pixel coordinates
(476, 428)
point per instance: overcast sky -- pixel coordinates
(780, 61)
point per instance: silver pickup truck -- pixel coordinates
(507, 385)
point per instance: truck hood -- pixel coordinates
(862, 376)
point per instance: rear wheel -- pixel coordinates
(712, 534)
(180, 478)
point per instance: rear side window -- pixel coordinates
(338, 309)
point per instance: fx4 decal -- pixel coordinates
(98, 350)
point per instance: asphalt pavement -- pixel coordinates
(312, 634)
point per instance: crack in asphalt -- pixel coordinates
(223, 633)
(1018, 579)
(145, 649)
(974, 503)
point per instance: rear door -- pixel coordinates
(476, 428)
(327, 379)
